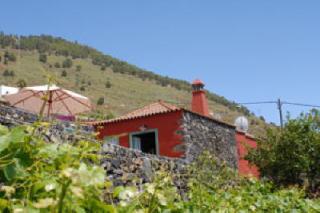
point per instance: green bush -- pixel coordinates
(21, 83)
(64, 73)
(43, 58)
(291, 156)
(100, 101)
(67, 63)
(108, 84)
(78, 68)
(10, 56)
(8, 73)
(57, 65)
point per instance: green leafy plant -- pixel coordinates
(41, 177)
(291, 156)
(215, 187)
(212, 187)
(159, 196)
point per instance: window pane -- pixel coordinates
(111, 140)
(136, 143)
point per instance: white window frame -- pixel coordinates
(136, 146)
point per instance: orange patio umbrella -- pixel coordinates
(49, 99)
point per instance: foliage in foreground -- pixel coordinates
(291, 156)
(40, 177)
(213, 187)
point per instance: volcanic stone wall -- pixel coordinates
(127, 167)
(11, 116)
(201, 133)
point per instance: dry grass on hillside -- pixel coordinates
(125, 94)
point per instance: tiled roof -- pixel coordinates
(159, 107)
(152, 109)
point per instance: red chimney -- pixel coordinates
(199, 99)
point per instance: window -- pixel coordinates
(146, 141)
(111, 140)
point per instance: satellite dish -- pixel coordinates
(242, 124)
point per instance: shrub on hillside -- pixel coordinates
(43, 58)
(12, 73)
(64, 73)
(67, 63)
(10, 56)
(108, 84)
(21, 83)
(100, 101)
(8, 73)
(57, 65)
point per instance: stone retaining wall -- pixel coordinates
(132, 167)
(11, 116)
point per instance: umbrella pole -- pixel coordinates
(45, 99)
(49, 103)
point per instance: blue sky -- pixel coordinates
(244, 50)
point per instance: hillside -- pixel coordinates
(85, 70)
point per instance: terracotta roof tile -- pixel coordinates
(152, 109)
(159, 107)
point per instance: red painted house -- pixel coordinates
(167, 130)
(146, 129)
(245, 141)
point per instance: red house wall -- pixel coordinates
(244, 141)
(167, 125)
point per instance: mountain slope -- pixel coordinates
(85, 70)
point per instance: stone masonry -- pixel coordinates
(132, 167)
(201, 133)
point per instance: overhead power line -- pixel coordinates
(259, 102)
(279, 106)
(299, 104)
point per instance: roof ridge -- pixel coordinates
(154, 108)
(167, 105)
(137, 109)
